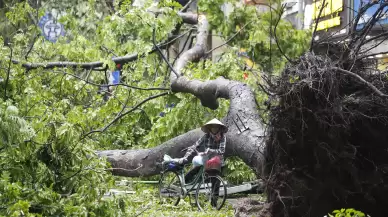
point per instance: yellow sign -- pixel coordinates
(382, 64)
(326, 24)
(332, 7)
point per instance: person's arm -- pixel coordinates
(221, 148)
(191, 149)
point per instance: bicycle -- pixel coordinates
(206, 186)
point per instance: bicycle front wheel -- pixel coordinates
(211, 193)
(170, 188)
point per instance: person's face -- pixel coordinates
(215, 131)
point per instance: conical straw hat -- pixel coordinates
(205, 128)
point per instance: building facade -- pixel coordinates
(334, 20)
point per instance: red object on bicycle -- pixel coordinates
(213, 163)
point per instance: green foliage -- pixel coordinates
(51, 178)
(146, 201)
(257, 33)
(347, 213)
(213, 10)
(237, 171)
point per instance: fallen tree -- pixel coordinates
(326, 145)
(314, 159)
(246, 145)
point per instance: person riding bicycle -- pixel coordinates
(210, 147)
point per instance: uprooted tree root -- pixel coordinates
(328, 143)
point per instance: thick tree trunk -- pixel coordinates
(245, 135)
(146, 162)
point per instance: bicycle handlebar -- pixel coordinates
(185, 149)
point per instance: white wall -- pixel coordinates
(308, 16)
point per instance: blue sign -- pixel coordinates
(369, 13)
(114, 77)
(51, 29)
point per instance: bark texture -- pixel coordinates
(145, 162)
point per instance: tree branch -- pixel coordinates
(185, 7)
(366, 50)
(8, 71)
(376, 37)
(183, 48)
(120, 115)
(189, 18)
(197, 51)
(358, 17)
(368, 27)
(359, 78)
(93, 65)
(316, 24)
(31, 46)
(161, 53)
(371, 54)
(276, 38)
(231, 38)
(113, 85)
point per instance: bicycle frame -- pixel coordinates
(194, 185)
(197, 180)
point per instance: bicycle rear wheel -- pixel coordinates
(170, 188)
(208, 193)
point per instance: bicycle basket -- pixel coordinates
(213, 164)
